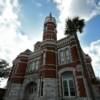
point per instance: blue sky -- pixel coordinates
(33, 13)
(21, 25)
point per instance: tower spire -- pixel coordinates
(50, 15)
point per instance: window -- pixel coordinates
(44, 58)
(31, 66)
(68, 84)
(71, 88)
(67, 55)
(64, 56)
(41, 88)
(34, 65)
(65, 85)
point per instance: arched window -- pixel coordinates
(30, 91)
(68, 85)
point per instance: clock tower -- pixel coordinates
(49, 57)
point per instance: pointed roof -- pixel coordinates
(50, 15)
(27, 51)
(50, 18)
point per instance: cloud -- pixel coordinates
(12, 42)
(3, 82)
(94, 51)
(38, 4)
(86, 9)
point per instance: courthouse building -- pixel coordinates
(53, 71)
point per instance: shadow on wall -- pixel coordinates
(2, 93)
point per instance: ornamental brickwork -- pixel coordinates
(52, 71)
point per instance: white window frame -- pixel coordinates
(34, 65)
(63, 58)
(67, 79)
(69, 91)
(61, 54)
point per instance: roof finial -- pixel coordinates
(50, 15)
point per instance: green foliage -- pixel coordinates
(74, 25)
(4, 71)
(3, 63)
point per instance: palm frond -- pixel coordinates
(74, 25)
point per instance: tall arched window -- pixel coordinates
(68, 85)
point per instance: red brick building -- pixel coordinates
(53, 71)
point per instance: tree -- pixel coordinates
(4, 71)
(72, 27)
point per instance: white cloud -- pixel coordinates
(94, 51)
(12, 42)
(3, 82)
(86, 9)
(38, 4)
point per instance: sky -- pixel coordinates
(21, 25)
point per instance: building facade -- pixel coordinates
(53, 71)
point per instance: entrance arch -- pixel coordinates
(30, 91)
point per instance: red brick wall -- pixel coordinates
(21, 67)
(74, 53)
(18, 73)
(50, 58)
(47, 73)
(49, 33)
(78, 73)
(81, 87)
(49, 69)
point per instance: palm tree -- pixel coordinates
(72, 27)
